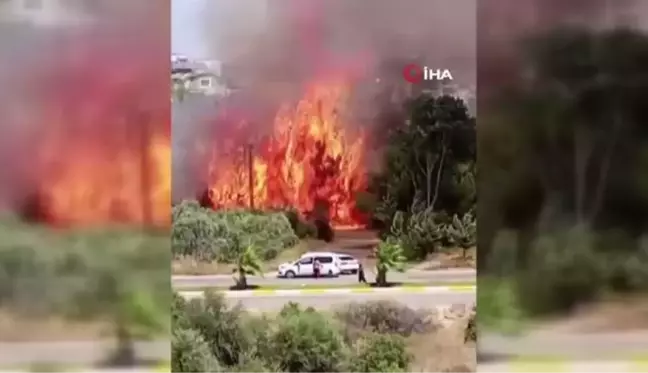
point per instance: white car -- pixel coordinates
(303, 267)
(348, 264)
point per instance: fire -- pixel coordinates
(311, 160)
(121, 184)
(101, 150)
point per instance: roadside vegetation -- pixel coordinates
(420, 205)
(383, 336)
(108, 283)
(564, 188)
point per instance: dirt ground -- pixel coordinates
(443, 351)
(614, 314)
(16, 329)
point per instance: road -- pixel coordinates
(570, 345)
(270, 279)
(565, 352)
(335, 298)
(74, 353)
(90, 352)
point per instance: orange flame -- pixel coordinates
(122, 184)
(309, 161)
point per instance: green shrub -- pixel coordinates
(307, 342)
(499, 304)
(221, 327)
(565, 272)
(630, 269)
(253, 365)
(420, 233)
(209, 235)
(380, 353)
(190, 352)
(112, 274)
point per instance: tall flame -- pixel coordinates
(103, 147)
(310, 160)
(90, 185)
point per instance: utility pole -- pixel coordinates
(145, 175)
(250, 160)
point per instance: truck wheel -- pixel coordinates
(290, 274)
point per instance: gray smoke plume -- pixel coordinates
(271, 48)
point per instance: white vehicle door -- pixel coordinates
(327, 264)
(305, 267)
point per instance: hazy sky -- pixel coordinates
(187, 28)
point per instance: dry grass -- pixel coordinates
(449, 258)
(14, 328)
(443, 350)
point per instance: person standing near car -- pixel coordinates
(317, 266)
(361, 275)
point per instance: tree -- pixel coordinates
(462, 232)
(423, 156)
(582, 97)
(247, 263)
(389, 257)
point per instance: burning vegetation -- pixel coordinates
(98, 134)
(312, 161)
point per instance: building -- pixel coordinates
(197, 76)
(44, 13)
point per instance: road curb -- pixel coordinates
(311, 292)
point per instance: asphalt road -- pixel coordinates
(573, 346)
(269, 303)
(75, 353)
(544, 351)
(91, 352)
(436, 277)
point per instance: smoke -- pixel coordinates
(502, 23)
(287, 41)
(77, 83)
(270, 49)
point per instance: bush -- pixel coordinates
(190, 352)
(566, 271)
(630, 270)
(109, 274)
(420, 233)
(380, 353)
(209, 235)
(384, 317)
(302, 228)
(324, 230)
(295, 340)
(470, 334)
(307, 342)
(221, 328)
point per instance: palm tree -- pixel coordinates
(247, 263)
(390, 257)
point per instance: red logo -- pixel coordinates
(413, 73)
